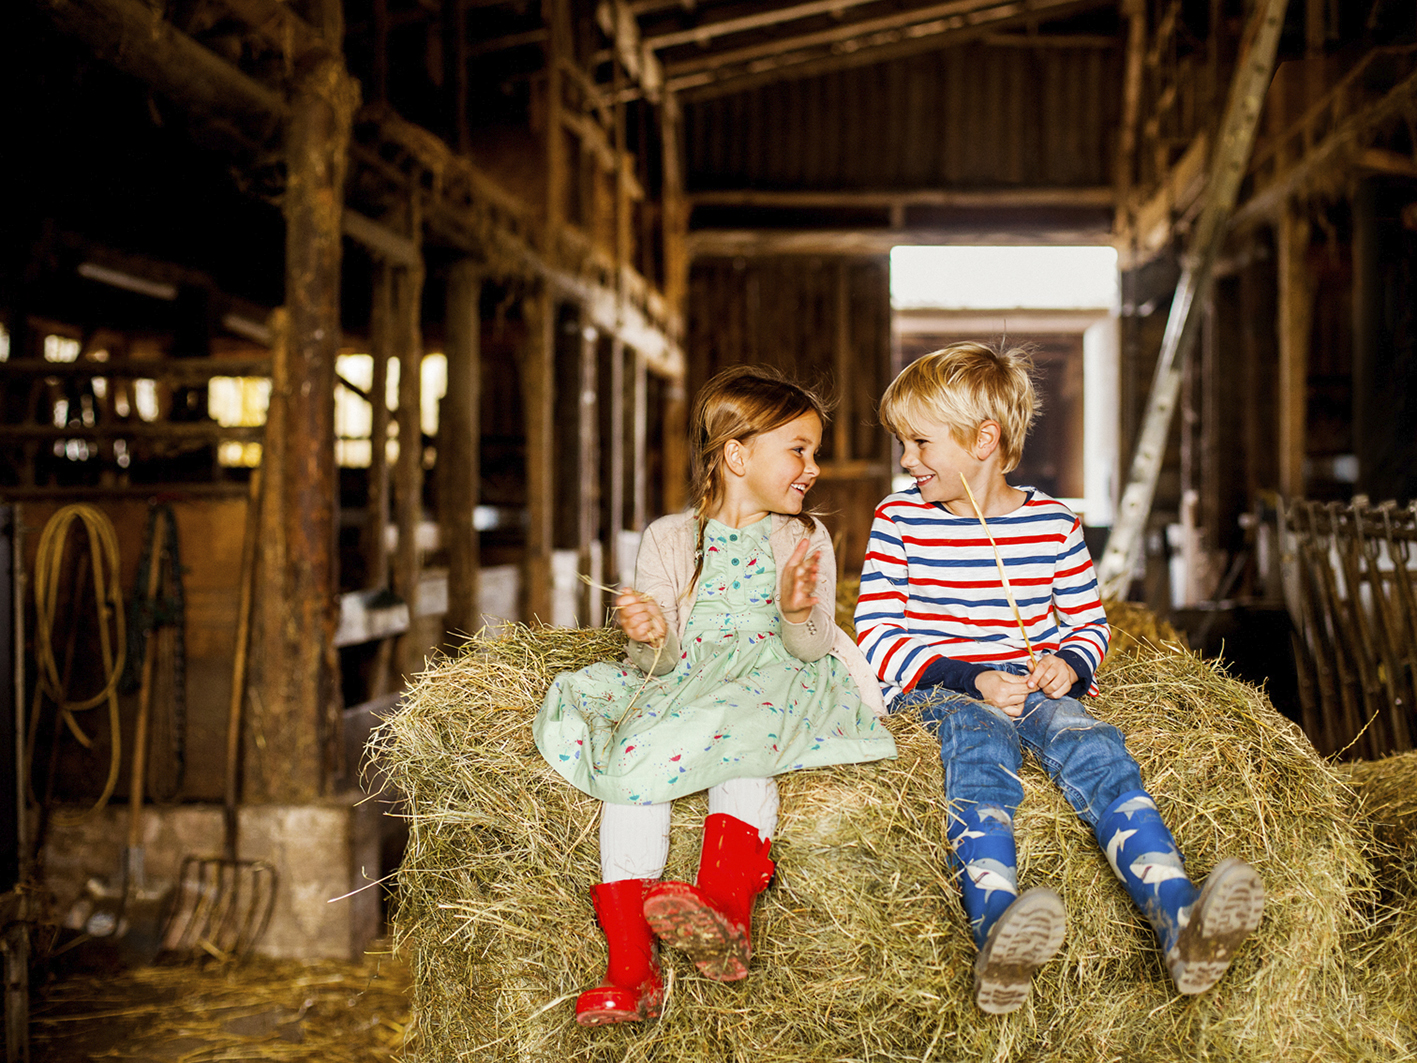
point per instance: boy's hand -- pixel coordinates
(640, 617)
(799, 580)
(1052, 675)
(1004, 690)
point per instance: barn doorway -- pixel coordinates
(1061, 303)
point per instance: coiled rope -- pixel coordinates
(108, 600)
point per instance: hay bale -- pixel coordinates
(1386, 792)
(1387, 797)
(862, 950)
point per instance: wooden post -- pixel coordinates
(841, 422)
(588, 491)
(557, 19)
(675, 205)
(376, 519)
(408, 337)
(459, 446)
(639, 434)
(381, 51)
(675, 446)
(537, 373)
(1292, 240)
(615, 461)
(376, 547)
(285, 758)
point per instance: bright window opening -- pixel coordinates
(1061, 304)
(1001, 278)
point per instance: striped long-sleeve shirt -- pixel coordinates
(930, 591)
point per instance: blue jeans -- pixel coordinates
(982, 747)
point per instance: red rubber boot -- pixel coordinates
(632, 990)
(710, 921)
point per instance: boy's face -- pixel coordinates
(936, 459)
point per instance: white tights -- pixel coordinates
(634, 839)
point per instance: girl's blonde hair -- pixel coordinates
(738, 403)
(961, 387)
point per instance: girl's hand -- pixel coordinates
(640, 617)
(1052, 675)
(799, 580)
(1004, 690)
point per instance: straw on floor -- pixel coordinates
(862, 951)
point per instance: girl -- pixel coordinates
(739, 673)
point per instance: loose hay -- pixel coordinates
(1136, 629)
(863, 953)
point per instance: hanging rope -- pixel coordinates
(108, 602)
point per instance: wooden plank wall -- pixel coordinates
(826, 323)
(972, 115)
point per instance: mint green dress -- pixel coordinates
(737, 705)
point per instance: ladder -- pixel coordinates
(1253, 72)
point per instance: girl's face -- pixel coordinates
(779, 467)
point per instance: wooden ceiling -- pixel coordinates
(711, 46)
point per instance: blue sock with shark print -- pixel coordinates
(985, 859)
(1144, 856)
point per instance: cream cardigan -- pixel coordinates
(666, 565)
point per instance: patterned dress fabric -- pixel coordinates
(737, 705)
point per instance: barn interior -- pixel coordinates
(331, 332)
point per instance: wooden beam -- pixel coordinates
(1295, 314)
(728, 243)
(459, 447)
(924, 29)
(1099, 196)
(136, 39)
(285, 760)
(171, 431)
(927, 21)
(171, 370)
(281, 28)
(1336, 151)
(707, 31)
(380, 240)
(537, 380)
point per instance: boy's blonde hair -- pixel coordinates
(961, 387)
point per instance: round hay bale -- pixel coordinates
(1387, 797)
(862, 949)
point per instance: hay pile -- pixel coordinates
(863, 953)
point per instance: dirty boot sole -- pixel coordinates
(1228, 911)
(1024, 938)
(682, 917)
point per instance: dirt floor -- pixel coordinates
(321, 1012)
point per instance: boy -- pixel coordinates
(939, 625)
